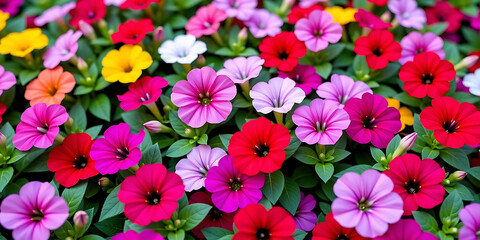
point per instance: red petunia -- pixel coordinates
(71, 160)
(259, 147)
(137, 4)
(476, 65)
(379, 47)
(88, 11)
(298, 13)
(331, 230)
(282, 51)
(3, 109)
(427, 75)
(215, 217)
(417, 182)
(443, 12)
(454, 124)
(133, 32)
(255, 222)
(379, 3)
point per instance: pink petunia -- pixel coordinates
(240, 9)
(415, 43)
(54, 14)
(278, 95)
(318, 30)
(242, 69)
(407, 229)
(7, 80)
(144, 91)
(132, 235)
(64, 49)
(206, 21)
(341, 88)
(368, 20)
(263, 23)
(471, 221)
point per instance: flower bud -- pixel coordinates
(104, 182)
(69, 122)
(80, 218)
(466, 62)
(153, 126)
(386, 17)
(82, 65)
(3, 139)
(87, 30)
(201, 61)
(158, 34)
(405, 145)
(242, 35)
(458, 175)
(190, 132)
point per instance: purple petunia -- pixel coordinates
(309, 3)
(53, 14)
(407, 13)
(471, 222)
(117, 150)
(304, 218)
(242, 69)
(305, 77)
(241, 9)
(263, 23)
(415, 43)
(323, 122)
(341, 88)
(7, 80)
(65, 48)
(366, 202)
(318, 30)
(278, 95)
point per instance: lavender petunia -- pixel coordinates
(242, 69)
(7, 80)
(309, 3)
(53, 14)
(407, 13)
(278, 95)
(415, 43)
(263, 23)
(64, 49)
(471, 222)
(341, 88)
(304, 218)
(318, 30)
(240, 9)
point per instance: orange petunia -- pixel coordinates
(50, 86)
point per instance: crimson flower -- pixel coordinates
(282, 51)
(476, 65)
(379, 47)
(427, 75)
(332, 230)
(417, 182)
(133, 32)
(443, 12)
(88, 11)
(136, 4)
(454, 124)
(298, 13)
(259, 147)
(379, 3)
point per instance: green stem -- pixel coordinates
(155, 111)
(278, 117)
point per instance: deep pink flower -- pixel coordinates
(242, 69)
(368, 20)
(372, 120)
(318, 30)
(366, 202)
(206, 21)
(144, 91)
(323, 122)
(132, 235)
(65, 48)
(263, 23)
(278, 95)
(444, 12)
(39, 126)
(137, 4)
(33, 212)
(407, 229)
(471, 222)
(341, 88)
(241, 9)
(117, 150)
(231, 189)
(305, 77)
(10, 6)
(7, 80)
(151, 194)
(415, 43)
(204, 97)
(88, 11)
(304, 218)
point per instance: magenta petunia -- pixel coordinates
(132, 235)
(144, 91)
(318, 30)
(33, 212)
(341, 88)
(305, 77)
(39, 126)
(407, 229)
(278, 95)
(206, 21)
(415, 43)
(369, 20)
(304, 218)
(118, 150)
(241, 9)
(53, 14)
(372, 120)
(194, 168)
(151, 194)
(7, 80)
(323, 122)
(242, 69)
(407, 13)
(204, 97)
(366, 202)
(263, 23)
(471, 222)
(10, 6)
(231, 189)
(65, 48)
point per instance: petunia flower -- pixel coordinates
(379, 47)
(341, 88)
(297, 13)
(406, 229)
(232, 189)
(53, 14)
(114, 2)
(144, 91)
(305, 77)
(304, 218)
(444, 12)
(417, 182)
(379, 3)
(407, 13)
(7, 80)
(241, 69)
(282, 51)
(240, 9)
(10, 6)
(259, 147)
(372, 120)
(4, 16)
(71, 160)
(194, 168)
(415, 43)
(366, 202)
(263, 23)
(50, 87)
(471, 221)
(309, 3)
(206, 21)
(204, 97)
(323, 122)
(367, 19)
(331, 230)
(151, 194)
(342, 15)
(126, 64)
(39, 126)
(22, 43)
(255, 222)
(184, 49)
(88, 11)
(278, 95)
(472, 81)
(64, 49)
(318, 30)
(406, 115)
(137, 4)
(133, 32)
(34, 212)
(427, 75)
(132, 235)
(118, 150)
(453, 124)
(3, 109)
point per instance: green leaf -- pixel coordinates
(406, 99)
(299, 234)
(451, 52)
(203, 139)
(92, 237)
(180, 148)
(178, 235)
(324, 171)
(306, 155)
(464, 192)
(177, 124)
(111, 226)
(450, 208)
(305, 177)
(426, 221)
(94, 131)
(112, 206)
(419, 129)
(377, 154)
(151, 155)
(475, 172)
(427, 152)
(465, 97)
(360, 66)
(100, 107)
(273, 187)
(216, 233)
(225, 138)
(290, 197)
(82, 90)
(77, 113)
(324, 69)
(5, 176)
(438, 28)
(135, 119)
(27, 75)
(357, 169)
(332, 51)
(340, 154)
(392, 145)
(193, 214)
(74, 196)
(63, 231)
(456, 158)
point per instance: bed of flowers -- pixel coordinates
(239, 119)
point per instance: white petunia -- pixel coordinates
(183, 49)
(472, 81)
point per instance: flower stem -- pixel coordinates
(154, 109)
(245, 87)
(278, 117)
(217, 38)
(187, 67)
(148, 10)
(59, 138)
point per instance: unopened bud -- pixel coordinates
(69, 122)
(104, 182)
(189, 132)
(466, 62)
(82, 65)
(458, 175)
(87, 30)
(201, 61)
(386, 17)
(243, 35)
(153, 126)
(158, 34)
(405, 145)
(3, 139)
(80, 218)
(286, 4)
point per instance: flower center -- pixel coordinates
(204, 99)
(369, 122)
(43, 129)
(262, 150)
(52, 91)
(420, 50)
(147, 97)
(207, 24)
(235, 4)
(320, 128)
(450, 126)
(478, 234)
(262, 234)
(283, 56)
(343, 237)
(134, 36)
(36, 215)
(128, 69)
(215, 213)
(377, 52)
(318, 33)
(364, 205)
(441, 18)
(91, 15)
(412, 186)
(298, 79)
(235, 184)
(153, 198)
(427, 78)
(122, 153)
(80, 162)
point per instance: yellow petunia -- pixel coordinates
(126, 64)
(406, 115)
(3, 19)
(20, 44)
(342, 15)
